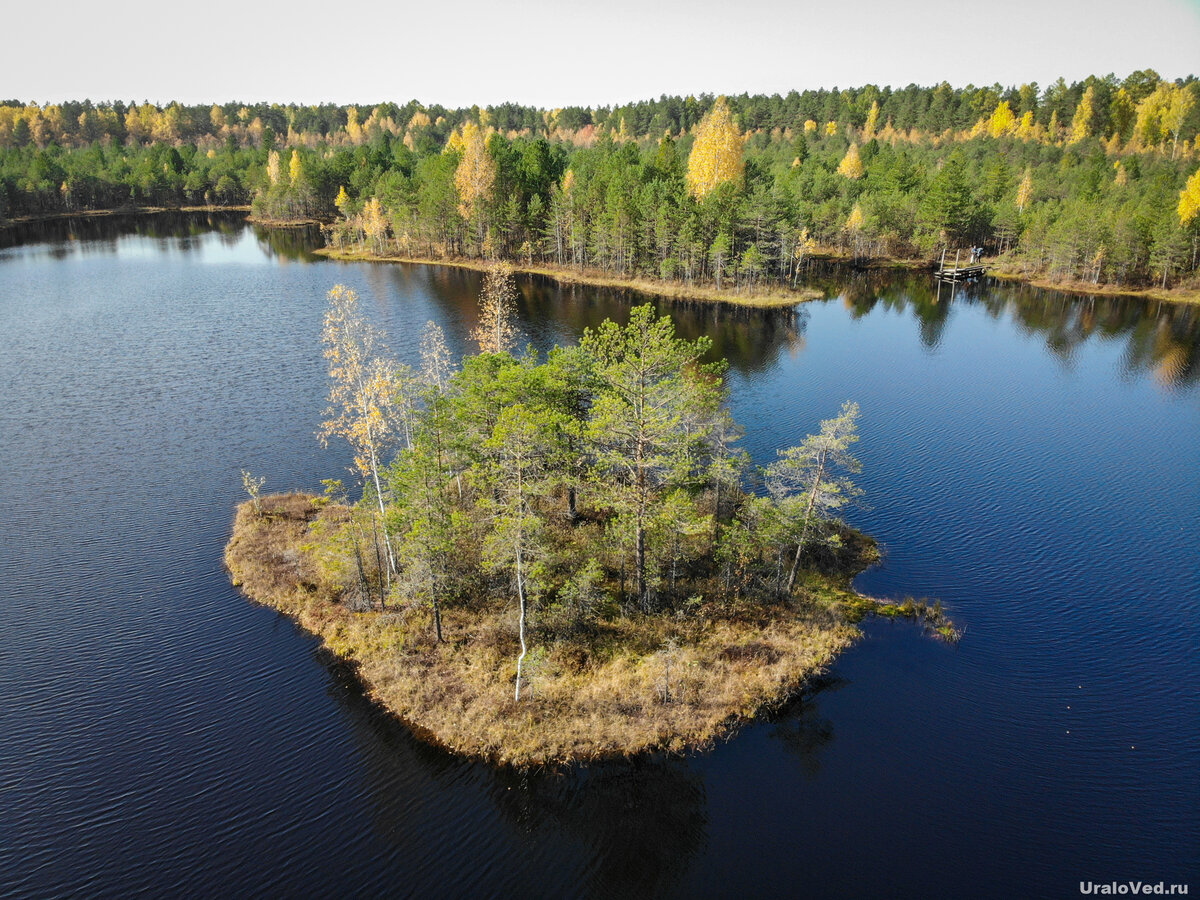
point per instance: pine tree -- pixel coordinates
(1167, 247)
(649, 383)
(1122, 114)
(806, 483)
(716, 156)
(948, 207)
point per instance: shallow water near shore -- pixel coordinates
(1031, 459)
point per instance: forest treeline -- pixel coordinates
(1093, 181)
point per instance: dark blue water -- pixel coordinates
(1033, 460)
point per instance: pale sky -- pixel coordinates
(556, 54)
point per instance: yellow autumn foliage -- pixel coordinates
(872, 120)
(476, 172)
(856, 220)
(1026, 130)
(1003, 121)
(716, 156)
(375, 224)
(1189, 200)
(1025, 190)
(1081, 125)
(851, 166)
(273, 172)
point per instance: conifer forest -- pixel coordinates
(1092, 182)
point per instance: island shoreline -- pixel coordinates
(568, 276)
(388, 651)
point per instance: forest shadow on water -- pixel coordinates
(630, 827)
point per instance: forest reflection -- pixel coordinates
(1160, 339)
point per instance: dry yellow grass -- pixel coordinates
(608, 694)
(1179, 294)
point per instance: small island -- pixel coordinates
(567, 558)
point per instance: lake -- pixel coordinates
(1030, 458)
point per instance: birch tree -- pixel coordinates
(497, 330)
(716, 156)
(1025, 190)
(362, 391)
(436, 362)
(521, 456)
(475, 176)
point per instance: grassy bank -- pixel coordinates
(773, 298)
(630, 683)
(268, 222)
(762, 299)
(1180, 294)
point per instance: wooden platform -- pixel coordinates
(957, 272)
(961, 272)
